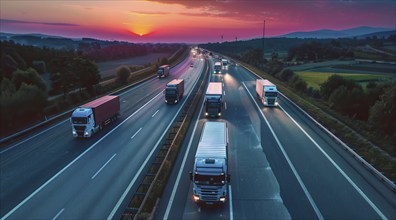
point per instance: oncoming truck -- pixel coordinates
(210, 175)
(163, 71)
(267, 92)
(91, 117)
(214, 99)
(174, 91)
(217, 67)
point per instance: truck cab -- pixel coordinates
(83, 123)
(217, 67)
(174, 91)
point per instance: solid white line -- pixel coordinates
(117, 206)
(182, 168)
(136, 133)
(93, 177)
(382, 216)
(77, 158)
(29, 138)
(307, 194)
(230, 202)
(155, 113)
(59, 213)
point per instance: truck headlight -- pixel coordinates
(219, 114)
(176, 101)
(196, 198)
(222, 199)
(86, 133)
(276, 103)
(206, 114)
(74, 132)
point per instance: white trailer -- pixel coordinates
(217, 67)
(214, 99)
(210, 175)
(267, 92)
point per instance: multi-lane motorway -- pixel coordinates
(282, 165)
(53, 175)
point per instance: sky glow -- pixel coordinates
(196, 21)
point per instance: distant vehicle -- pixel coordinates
(267, 92)
(217, 67)
(93, 116)
(174, 91)
(210, 175)
(191, 65)
(214, 99)
(163, 71)
(224, 63)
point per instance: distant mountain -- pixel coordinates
(381, 34)
(326, 33)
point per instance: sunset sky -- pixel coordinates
(191, 21)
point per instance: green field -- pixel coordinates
(314, 79)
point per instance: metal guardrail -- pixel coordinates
(391, 185)
(50, 120)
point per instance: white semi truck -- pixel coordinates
(91, 117)
(210, 176)
(214, 99)
(267, 92)
(217, 67)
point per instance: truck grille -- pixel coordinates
(271, 101)
(208, 194)
(79, 128)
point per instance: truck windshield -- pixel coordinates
(79, 120)
(160, 71)
(218, 180)
(271, 94)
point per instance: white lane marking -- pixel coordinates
(59, 213)
(382, 216)
(77, 158)
(224, 93)
(230, 202)
(104, 165)
(223, 84)
(155, 113)
(29, 138)
(307, 194)
(225, 105)
(182, 168)
(116, 207)
(136, 133)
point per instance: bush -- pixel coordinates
(122, 74)
(286, 74)
(383, 114)
(298, 83)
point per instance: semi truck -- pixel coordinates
(224, 63)
(210, 175)
(267, 92)
(93, 116)
(163, 71)
(217, 67)
(174, 91)
(214, 99)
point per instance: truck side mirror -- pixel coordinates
(229, 178)
(191, 176)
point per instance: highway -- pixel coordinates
(52, 175)
(282, 166)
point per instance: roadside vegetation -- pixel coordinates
(358, 108)
(37, 83)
